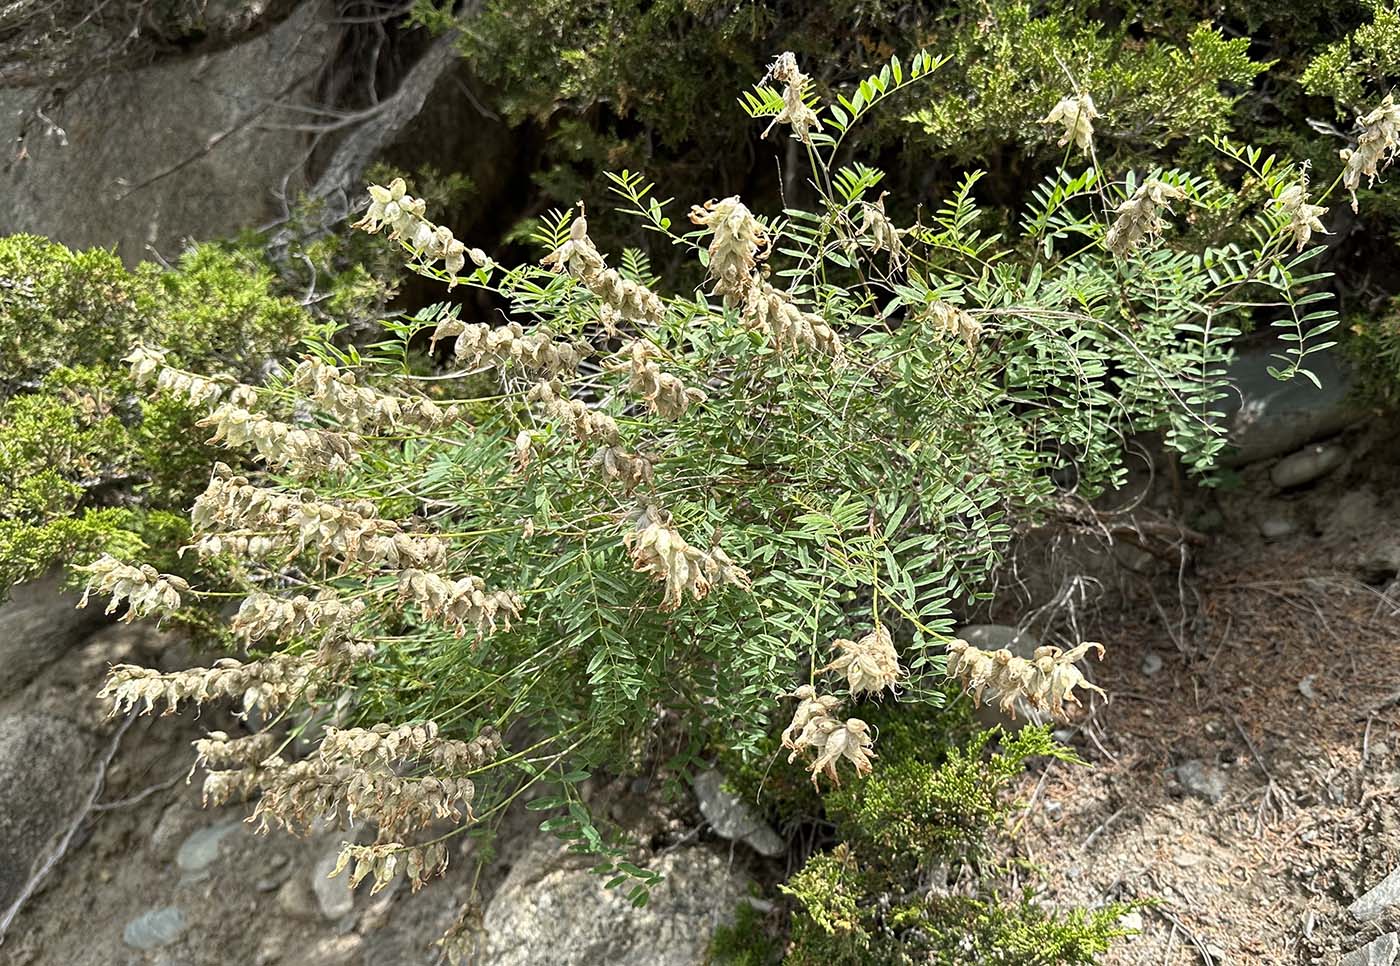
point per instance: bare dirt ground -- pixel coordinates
(1279, 678)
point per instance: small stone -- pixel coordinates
(1062, 735)
(1374, 903)
(1381, 563)
(1308, 464)
(333, 895)
(1379, 749)
(296, 899)
(1131, 920)
(1186, 860)
(732, 818)
(1276, 528)
(1377, 952)
(1053, 810)
(151, 930)
(1216, 952)
(202, 848)
(1306, 689)
(1151, 664)
(1202, 780)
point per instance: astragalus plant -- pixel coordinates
(632, 520)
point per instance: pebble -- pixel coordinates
(732, 818)
(1202, 780)
(156, 928)
(1131, 920)
(1276, 528)
(1053, 810)
(1187, 859)
(201, 848)
(1151, 664)
(1305, 687)
(1308, 464)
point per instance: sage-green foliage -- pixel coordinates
(86, 465)
(867, 900)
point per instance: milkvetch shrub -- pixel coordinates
(693, 505)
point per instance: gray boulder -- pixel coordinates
(187, 147)
(551, 910)
(43, 781)
(39, 624)
(1267, 418)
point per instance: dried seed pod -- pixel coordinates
(955, 322)
(1140, 216)
(666, 394)
(659, 550)
(1077, 114)
(1375, 148)
(145, 590)
(1046, 681)
(460, 603)
(737, 245)
(796, 111)
(282, 444)
(1303, 218)
(362, 409)
(870, 664)
(580, 258)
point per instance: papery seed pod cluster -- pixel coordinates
(618, 465)
(1375, 148)
(1046, 681)
(870, 665)
(666, 394)
(580, 258)
(282, 444)
(271, 683)
(263, 615)
(380, 862)
(1076, 113)
(817, 730)
(392, 207)
(353, 777)
(478, 346)
(738, 243)
(218, 750)
(955, 322)
(786, 327)
(462, 604)
(1303, 218)
(146, 590)
(354, 533)
(385, 745)
(146, 363)
(362, 409)
(879, 233)
(659, 550)
(1139, 217)
(796, 111)
(585, 424)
